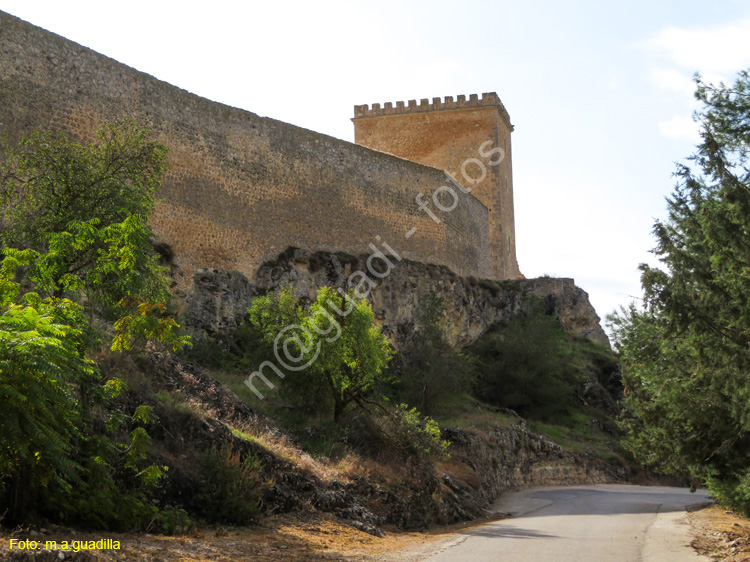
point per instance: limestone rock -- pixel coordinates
(571, 305)
(219, 299)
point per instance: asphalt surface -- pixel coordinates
(602, 523)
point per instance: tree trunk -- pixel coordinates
(338, 409)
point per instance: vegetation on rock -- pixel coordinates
(432, 371)
(531, 366)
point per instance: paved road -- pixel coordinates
(602, 523)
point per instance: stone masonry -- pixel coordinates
(241, 188)
(450, 135)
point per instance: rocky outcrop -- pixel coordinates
(219, 300)
(570, 304)
(484, 465)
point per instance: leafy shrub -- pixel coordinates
(234, 351)
(416, 435)
(492, 286)
(209, 353)
(401, 433)
(525, 366)
(229, 487)
(432, 376)
(102, 501)
(732, 491)
(169, 520)
(39, 364)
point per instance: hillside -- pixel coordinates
(351, 469)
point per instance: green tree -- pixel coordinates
(54, 456)
(50, 180)
(524, 365)
(39, 361)
(336, 340)
(106, 268)
(414, 435)
(685, 353)
(83, 208)
(63, 436)
(433, 371)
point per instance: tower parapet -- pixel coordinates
(453, 135)
(488, 99)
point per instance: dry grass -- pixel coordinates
(265, 432)
(721, 534)
(462, 471)
(344, 469)
(305, 537)
(466, 412)
(388, 469)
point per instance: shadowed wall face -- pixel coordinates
(240, 188)
(449, 135)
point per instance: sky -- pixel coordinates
(600, 93)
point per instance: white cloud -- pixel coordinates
(722, 50)
(673, 81)
(716, 52)
(680, 128)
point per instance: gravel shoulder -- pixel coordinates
(720, 534)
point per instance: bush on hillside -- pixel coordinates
(525, 366)
(229, 487)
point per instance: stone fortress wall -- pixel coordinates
(241, 188)
(448, 135)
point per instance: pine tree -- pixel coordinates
(685, 354)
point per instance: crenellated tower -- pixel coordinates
(453, 136)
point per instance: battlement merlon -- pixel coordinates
(401, 108)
